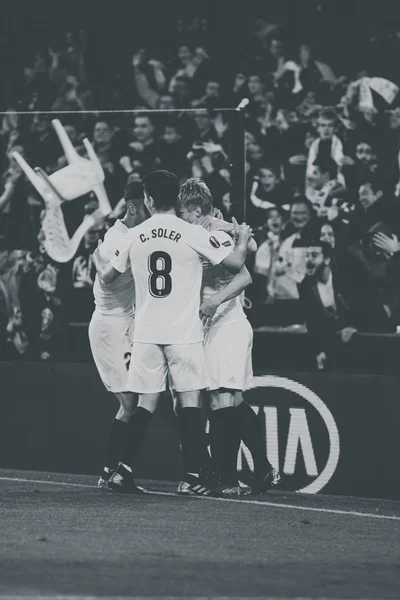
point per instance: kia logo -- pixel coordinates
(298, 436)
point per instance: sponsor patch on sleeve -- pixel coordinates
(117, 253)
(214, 242)
(227, 243)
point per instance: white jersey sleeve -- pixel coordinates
(121, 260)
(215, 246)
(117, 297)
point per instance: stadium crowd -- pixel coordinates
(322, 167)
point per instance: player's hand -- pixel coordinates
(242, 231)
(207, 311)
(347, 333)
(321, 360)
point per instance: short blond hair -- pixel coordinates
(195, 192)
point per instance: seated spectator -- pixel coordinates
(211, 98)
(302, 223)
(324, 190)
(328, 144)
(289, 267)
(269, 239)
(204, 130)
(173, 150)
(83, 274)
(334, 233)
(374, 206)
(193, 67)
(381, 261)
(364, 165)
(165, 102)
(16, 336)
(143, 149)
(267, 191)
(19, 208)
(337, 296)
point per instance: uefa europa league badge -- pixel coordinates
(80, 177)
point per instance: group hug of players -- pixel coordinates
(169, 329)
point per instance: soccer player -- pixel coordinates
(228, 344)
(111, 331)
(165, 256)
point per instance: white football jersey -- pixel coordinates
(216, 277)
(117, 297)
(165, 255)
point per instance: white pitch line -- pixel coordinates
(57, 597)
(333, 511)
(69, 597)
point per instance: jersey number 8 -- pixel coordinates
(160, 282)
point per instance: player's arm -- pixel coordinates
(234, 288)
(109, 270)
(104, 268)
(236, 259)
(218, 247)
(230, 228)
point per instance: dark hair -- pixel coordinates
(374, 181)
(327, 165)
(133, 189)
(303, 200)
(144, 115)
(328, 114)
(271, 166)
(174, 124)
(163, 187)
(327, 249)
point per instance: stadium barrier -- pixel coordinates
(334, 433)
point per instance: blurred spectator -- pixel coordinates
(375, 205)
(289, 267)
(268, 190)
(337, 299)
(80, 302)
(324, 191)
(269, 239)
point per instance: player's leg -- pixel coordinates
(117, 435)
(110, 340)
(147, 377)
(250, 429)
(225, 439)
(188, 375)
(166, 409)
(251, 433)
(222, 347)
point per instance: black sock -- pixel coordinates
(193, 439)
(137, 427)
(251, 432)
(224, 444)
(166, 408)
(116, 443)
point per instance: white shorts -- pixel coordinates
(111, 344)
(228, 356)
(182, 365)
